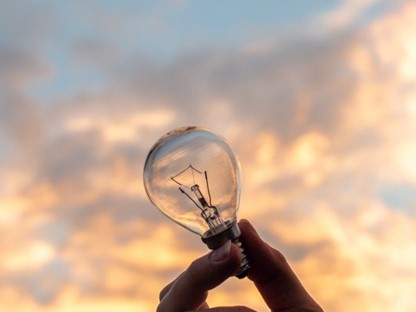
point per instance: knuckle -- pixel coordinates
(164, 291)
(192, 272)
(280, 257)
(161, 308)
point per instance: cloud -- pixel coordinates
(22, 64)
(346, 14)
(322, 127)
(20, 120)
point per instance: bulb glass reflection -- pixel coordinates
(193, 177)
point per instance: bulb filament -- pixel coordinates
(194, 193)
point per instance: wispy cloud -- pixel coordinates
(324, 128)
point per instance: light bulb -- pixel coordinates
(193, 177)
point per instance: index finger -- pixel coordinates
(190, 289)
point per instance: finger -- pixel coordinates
(166, 289)
(190, 289)
(272, 275)
(225, 309)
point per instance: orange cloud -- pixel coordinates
(321, 133)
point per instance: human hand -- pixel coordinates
(271, 274)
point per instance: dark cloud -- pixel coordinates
(96, 202)
(92, 51)
(20, 119)
(293, 87)
(22, 66)
(26, 25)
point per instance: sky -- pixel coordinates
(317, 98)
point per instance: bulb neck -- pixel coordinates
(216, 240)
(232, 232)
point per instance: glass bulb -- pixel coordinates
(193, 177)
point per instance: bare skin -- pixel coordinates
(270, 273)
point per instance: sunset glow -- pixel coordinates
(319, 103)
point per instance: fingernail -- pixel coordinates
(220, 254)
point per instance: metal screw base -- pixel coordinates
(232, 232)
(245, 264)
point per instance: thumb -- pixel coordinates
(190, 289)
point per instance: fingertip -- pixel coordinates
(235, 256)
(246, 227)
(228, 264)
(212, 269)
(221, 254)
(249, 234)
(244, 223)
